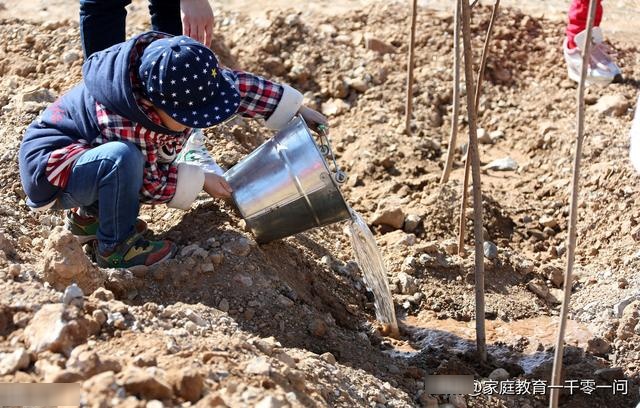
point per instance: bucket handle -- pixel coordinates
(323, 133)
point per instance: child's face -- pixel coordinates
(167, 120)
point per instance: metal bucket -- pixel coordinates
(285, 186)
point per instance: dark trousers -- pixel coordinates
(103, 22)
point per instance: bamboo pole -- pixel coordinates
(573, 213)
(410, 64)
(453, 136)
(475, 173)
(465, 182)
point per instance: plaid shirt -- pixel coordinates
(259, 99)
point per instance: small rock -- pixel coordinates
(117, 320)
(618, 308)
(258, 366)
(610, 374)
(411, 222)
(187, 383)
(238, 247)
(285, 301)
(450, 247)
(318, 327)
(483, 137)
(189, 250)
(99, 316)
(555, 275)
(359, 84)
(598, 346)
(154, 404)
(409, 264)
(56, 327)
(88, 363)
(14, 270)
(496, 135)
(224, 305)
(408, 284)
(504, 164)
(389, 213)
(375, 44)
(207, 267)
(244, 280)
(538, 287)
(194, 317)
(612, 105)
(103, 294)
(38, 95)
(270, 402)
(143, 384)
(12, 362)
(334, 107)
(328, 357)
(266, 345)
(548, 221)
(296, 378)
(73, 296)
(628, 321)
(490, 250)
(216, 257)
(499, 374)
(6, 246)
(70, 57)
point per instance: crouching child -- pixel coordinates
(110, 143)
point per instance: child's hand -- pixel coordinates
(216, 186)
(313, 118)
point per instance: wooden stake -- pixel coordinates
(456, 94)
(573, 213)
(475, 173)
(410, 63)
(465, 182)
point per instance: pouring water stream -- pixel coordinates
(371, 263)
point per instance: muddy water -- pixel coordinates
(371, 263)
(536, 334)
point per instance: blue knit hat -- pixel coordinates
(181, 76)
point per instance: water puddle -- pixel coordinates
(532, 336)
(371, 263)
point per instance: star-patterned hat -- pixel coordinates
(181, 76)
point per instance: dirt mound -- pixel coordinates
(291, 323)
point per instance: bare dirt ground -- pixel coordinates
(291, 323)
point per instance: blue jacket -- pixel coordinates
(73, 118)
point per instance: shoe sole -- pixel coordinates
(589, 81)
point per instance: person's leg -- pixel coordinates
(578, 14)
(110, 174)
(165, 16)
(102, 24)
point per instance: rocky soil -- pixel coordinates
(233, 323)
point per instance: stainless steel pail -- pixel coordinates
(285, 186)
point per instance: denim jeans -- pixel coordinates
(103, 22)
(108, 177)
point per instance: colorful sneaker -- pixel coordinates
(602, 69)
(135, 251)
(85, 228)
